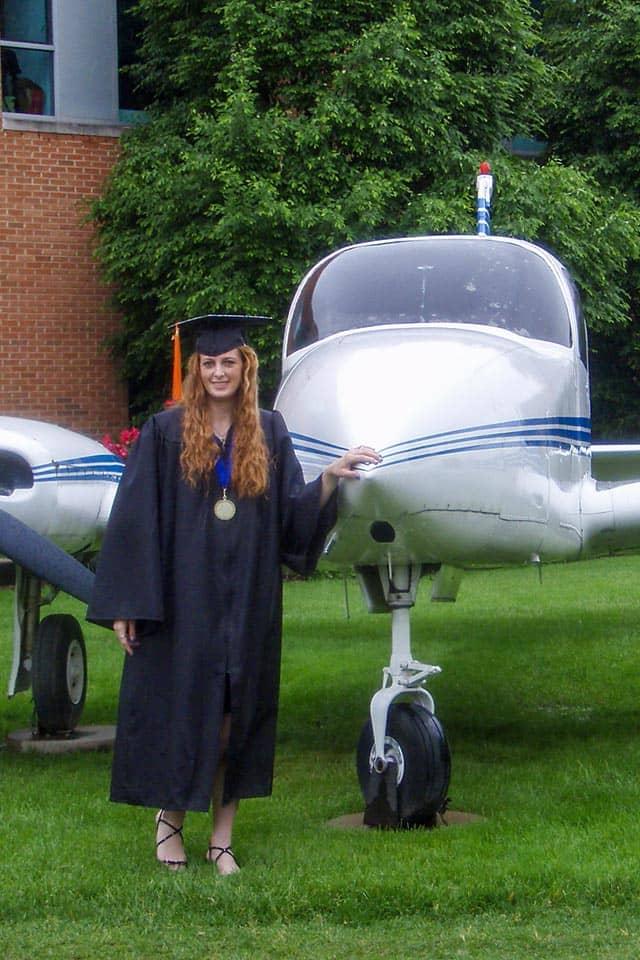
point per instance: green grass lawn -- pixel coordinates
(539, 698)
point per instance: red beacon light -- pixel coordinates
(484, 189)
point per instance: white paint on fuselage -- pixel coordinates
(75, 480)
(471, 425)
(485, 433)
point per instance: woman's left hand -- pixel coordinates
(346, 466)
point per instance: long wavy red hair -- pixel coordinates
(250, 460)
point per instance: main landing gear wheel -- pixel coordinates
(419, 753)
(59, 679)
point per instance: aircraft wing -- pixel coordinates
(43, 558)
(615, 462)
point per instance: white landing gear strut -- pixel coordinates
(403, 756)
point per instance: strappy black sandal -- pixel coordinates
(223, 850)
(170, 864)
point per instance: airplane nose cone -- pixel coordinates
(382, 388)
(460, 416)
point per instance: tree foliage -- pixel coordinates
(595, 46)
(283, 129)
(593, 121)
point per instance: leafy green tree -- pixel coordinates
(281, 130)
(593, 121)
(595, 47)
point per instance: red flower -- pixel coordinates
(128, 436)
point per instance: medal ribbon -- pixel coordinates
(223, 466)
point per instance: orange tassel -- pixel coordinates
(176, 379)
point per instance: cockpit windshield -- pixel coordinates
(432, 280)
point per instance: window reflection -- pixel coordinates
(26, 81)
(25, 21)
(27, 71)
(432, 280)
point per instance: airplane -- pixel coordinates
(463, 361)
(56, 492)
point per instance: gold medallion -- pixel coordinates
(224, 509)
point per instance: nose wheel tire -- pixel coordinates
(419, 753)
(59, 680)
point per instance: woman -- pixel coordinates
(211, 502)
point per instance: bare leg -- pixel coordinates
(223, 814)
(169, 846)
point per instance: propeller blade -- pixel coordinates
(43, 558)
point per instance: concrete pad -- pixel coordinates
(82, 738)
(452, 818)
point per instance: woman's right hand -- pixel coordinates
(125, 631)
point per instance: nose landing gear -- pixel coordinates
(412, 789)
(403, 758)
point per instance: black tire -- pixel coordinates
(59, 680)
(416, 738)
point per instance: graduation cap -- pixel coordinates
(216, 333)
(211, 335)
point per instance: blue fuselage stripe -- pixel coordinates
(581, 424)
(555, 432)
(568, 435)
(104, 468)
(468, 448)
(103, 477)
(554, 444)
(322, 443)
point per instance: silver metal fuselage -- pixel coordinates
(484, 429)
(58, 482)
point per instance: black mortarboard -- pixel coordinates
(216, 333)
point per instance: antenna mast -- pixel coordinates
(484, 189)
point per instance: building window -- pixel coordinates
(26, 54)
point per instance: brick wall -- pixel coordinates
(54, 311)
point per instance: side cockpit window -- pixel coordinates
(431, 280)
(583, 340)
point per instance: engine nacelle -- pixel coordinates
(59, 483)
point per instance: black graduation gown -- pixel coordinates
(207, 598)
